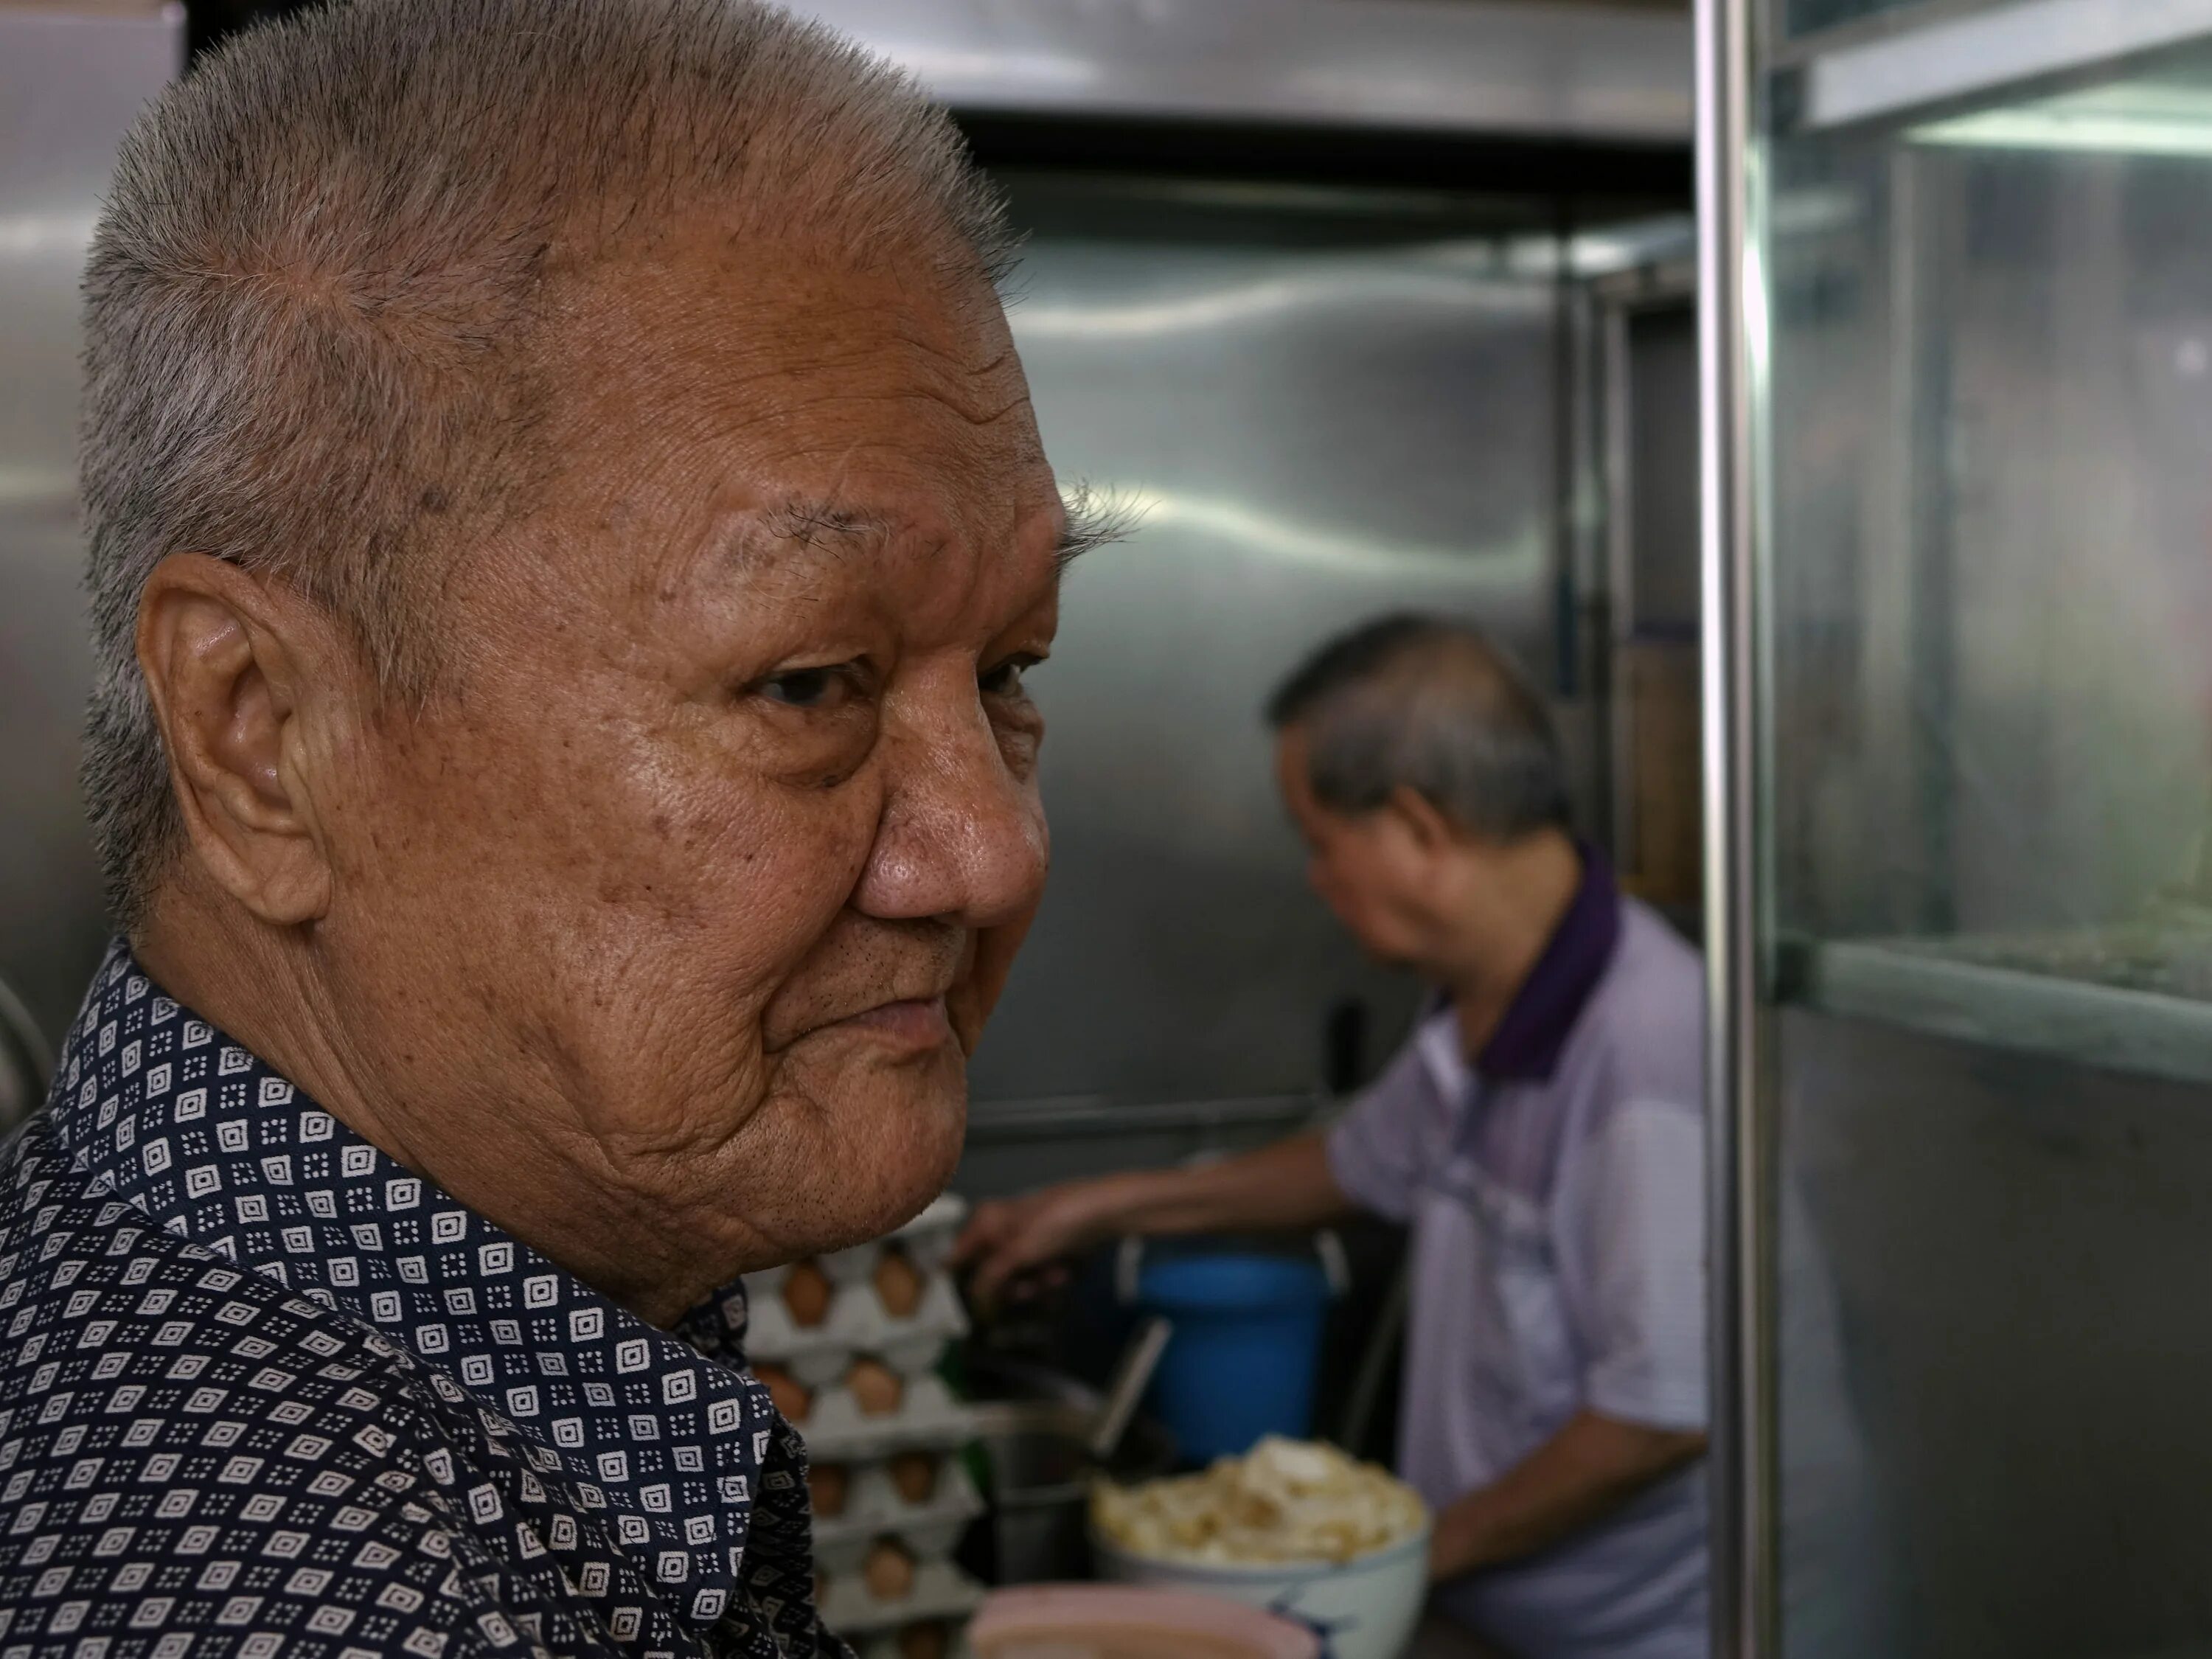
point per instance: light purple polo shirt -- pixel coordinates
(1555, 1191)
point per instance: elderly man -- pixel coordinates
(568, 533)
(1542, 1132)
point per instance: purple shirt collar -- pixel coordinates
(1528, 1043)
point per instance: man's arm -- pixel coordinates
(1286, 1185)
(1582, 1474)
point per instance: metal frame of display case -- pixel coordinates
(1741, 1235)
(1922, 62)
(1925, 988)
(1927, 57)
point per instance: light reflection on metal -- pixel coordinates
(936, 64)
(28, 235)
(1506, 568)
(1732, 324)
(1559, 69)
(1261, 300)
(1444, 282)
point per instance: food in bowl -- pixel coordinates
(1283, 1501)
(1301, 1530)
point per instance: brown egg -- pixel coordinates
(807, 1292)
(889, 1571)
(827, 1483)
(915, 1474)
(792, 1397)
(899, 1284)
(877, 1388)
(927, 1640)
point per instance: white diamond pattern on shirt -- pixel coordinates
(263, 1390)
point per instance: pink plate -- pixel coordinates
(1107, 1610)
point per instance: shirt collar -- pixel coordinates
(1528, 1041)
(212, 1144)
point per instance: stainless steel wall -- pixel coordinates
(1315, 411)
(69, 84)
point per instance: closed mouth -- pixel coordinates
(915, 1023)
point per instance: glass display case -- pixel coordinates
(1961, 483)
(1989, 403)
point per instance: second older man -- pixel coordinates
(568, 533)
(1541, 1132)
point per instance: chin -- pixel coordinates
(895, 1150)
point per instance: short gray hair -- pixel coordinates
(1434, 705)
(315, 306)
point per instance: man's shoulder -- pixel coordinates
(193, 1445)
(1648, 1041)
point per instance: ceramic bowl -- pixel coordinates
(1363, 1608)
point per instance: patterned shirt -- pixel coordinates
(265, 1390)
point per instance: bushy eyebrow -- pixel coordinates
(1092, 521)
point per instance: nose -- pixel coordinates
(963, 834)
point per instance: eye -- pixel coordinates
(829, 687)
(1006, 679)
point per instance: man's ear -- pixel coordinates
(1429, 828)
(227, 660)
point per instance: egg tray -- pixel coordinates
(940, 1591)
(873, 1509)
(926, 1240)
(884, 1645)
(928, 1419)
(856, 1323)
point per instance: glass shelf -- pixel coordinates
(2100, 998)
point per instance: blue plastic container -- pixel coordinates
(1246, 1346)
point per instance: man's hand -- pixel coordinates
(1012, 1235)
(1286, 1185)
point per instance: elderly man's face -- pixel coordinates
(704, 876)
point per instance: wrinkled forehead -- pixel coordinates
(829, 381)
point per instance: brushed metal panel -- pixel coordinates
(1556, 70)
(1312, 433)
(69, 84)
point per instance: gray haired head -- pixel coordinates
(1430, 704)
(322, 300)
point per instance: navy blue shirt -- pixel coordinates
(265, 1390)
